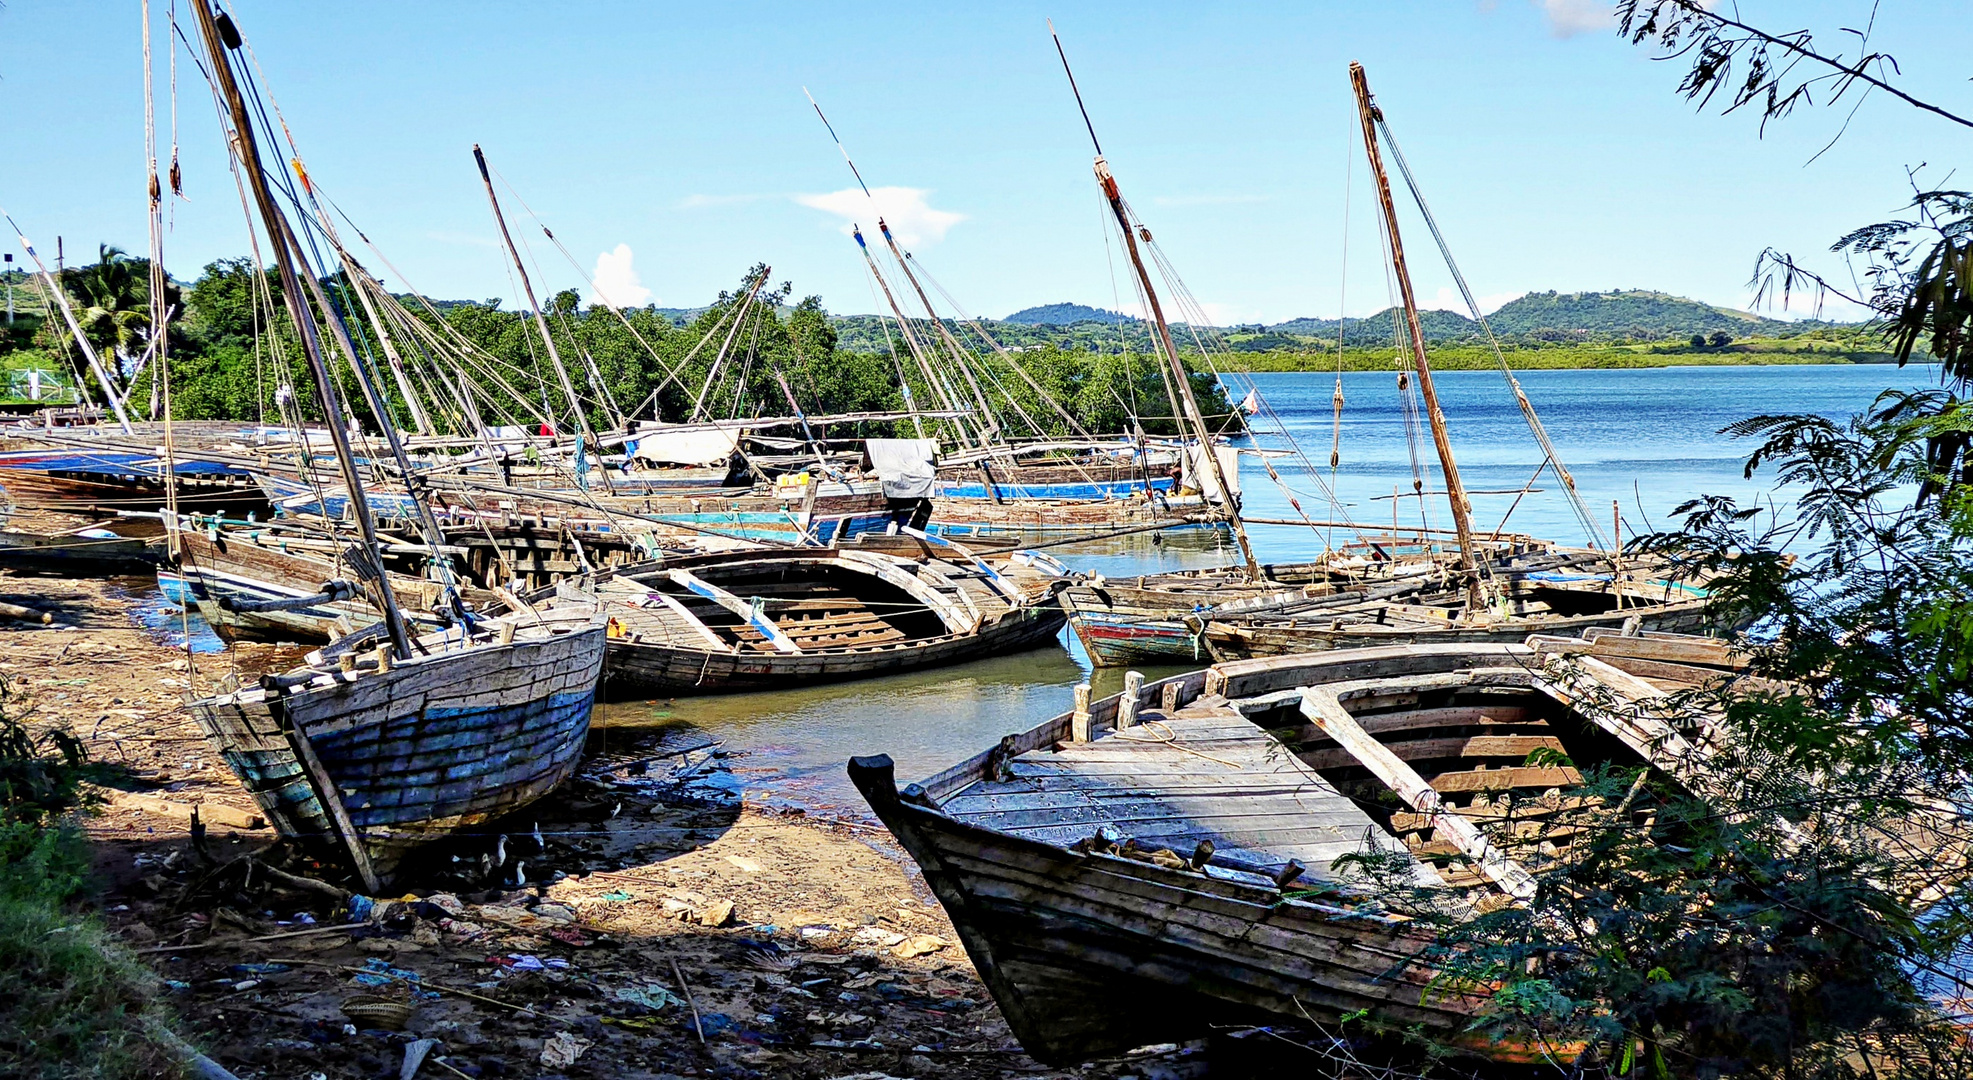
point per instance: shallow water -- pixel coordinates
(1649, 439)
(168, 622)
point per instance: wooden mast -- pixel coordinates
(1188, 402)
(932, 381)
(1455, 490)
(292, 296)
(988, 427)
(541, 321)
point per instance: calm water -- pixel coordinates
(1648, 439)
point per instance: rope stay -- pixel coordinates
(1527, 407)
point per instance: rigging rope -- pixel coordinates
(1582, 512)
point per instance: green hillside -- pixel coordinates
(1626, 317)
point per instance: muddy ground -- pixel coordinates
(642, 922)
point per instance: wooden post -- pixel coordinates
(1215, 681)
(1455, 490)
(383, 659)
(507, 632)
(1617, 551)
(1127, 705)
(1079, 723)
(1169, 704)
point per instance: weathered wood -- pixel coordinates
(25, 614)
(1321, 707)
(1127, 705)
(1079, 725)
(737, 606)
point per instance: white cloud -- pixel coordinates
(1567, 18)
(616, 280)
(911, 218)
(1448, 299)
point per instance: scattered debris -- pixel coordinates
(922, 945)
(562, 1050)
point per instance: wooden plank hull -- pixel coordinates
(1120, 624)
(1091, 954)
(221, 566)
(962, 519)
(439, 743)
(1228, 641)
(105, 482)
(1070, 856)
(73, 552)
(635, 671)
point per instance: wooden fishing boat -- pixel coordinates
(792, 510)
(1158, 618)
(780, 618)
(1033, 520)
(1174, 847)
(258, 585)
(86, 550)
(104, 482)
(359, 761)
(1524, 600)
(367, 756)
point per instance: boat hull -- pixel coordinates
(441, 743)
(640, 670)
(75, 553)
(1090, 954)
(1236, 642)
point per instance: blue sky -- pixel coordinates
(1555, 155)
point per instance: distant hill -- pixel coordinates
(1066, 315)
(1625, 315)
(1634, 313)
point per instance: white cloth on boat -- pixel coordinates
(703, 446)
(906, 466)
(1199, 473)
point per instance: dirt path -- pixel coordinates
(551, 945)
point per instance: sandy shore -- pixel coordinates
(641, 922)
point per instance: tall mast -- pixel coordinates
(1455, 490)
(917, 350)
(988, 427)
(217, 45)
(1182, 383)
(540, 320)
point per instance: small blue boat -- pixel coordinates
(360, 757)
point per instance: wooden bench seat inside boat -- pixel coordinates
(1170, 783)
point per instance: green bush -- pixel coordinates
(73, 1003)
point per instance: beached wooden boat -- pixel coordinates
(248, 581)
(81, 480)
(1157, 618)
(1526, 601)
(788, 617)
(368, 751)
(360, 762)
(1172, 847)
(87, 550)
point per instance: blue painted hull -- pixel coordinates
(440, 743)
(1080, 492)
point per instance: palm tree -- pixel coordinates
(114, 298)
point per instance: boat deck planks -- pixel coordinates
(1172, 783)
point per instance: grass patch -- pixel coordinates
(76, 1003)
